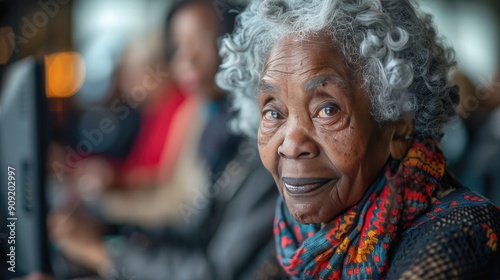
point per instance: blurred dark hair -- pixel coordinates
(225, 13)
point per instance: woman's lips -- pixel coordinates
(304, 185)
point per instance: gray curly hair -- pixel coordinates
(396, 52)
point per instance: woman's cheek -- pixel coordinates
(343, 149)
(263, 136)
(266, 149)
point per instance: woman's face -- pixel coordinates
(317, 136)
(195, 29)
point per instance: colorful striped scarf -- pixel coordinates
(356, 245)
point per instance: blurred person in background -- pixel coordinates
(460, 131)
(141, 84)
(481, 162)
(138, 93)
(208, 212)
(471, 142)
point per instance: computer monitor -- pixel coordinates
(23, 146)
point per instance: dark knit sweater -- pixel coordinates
(456, 239)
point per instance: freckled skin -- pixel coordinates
(325, 132)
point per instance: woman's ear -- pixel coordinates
(401, 139)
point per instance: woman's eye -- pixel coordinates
(328, 111)
(271, 115)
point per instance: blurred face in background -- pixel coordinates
(194, 31)
(143, 53)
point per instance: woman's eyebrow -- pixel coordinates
(267, 87)
(320, 80)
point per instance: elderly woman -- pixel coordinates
(352, 97)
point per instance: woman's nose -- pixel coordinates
(298, 143)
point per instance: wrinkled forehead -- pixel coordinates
(305, 57)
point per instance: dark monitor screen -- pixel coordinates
(23, 142)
